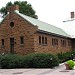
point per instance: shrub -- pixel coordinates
(37, 60)
(40, 60)
(65, 56)
(27, 61)
(10, 61)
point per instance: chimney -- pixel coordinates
(12, 8)
(72, 15)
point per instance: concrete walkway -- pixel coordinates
(56, 71)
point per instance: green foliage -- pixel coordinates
(71, 64)
(65, 56)
(37, 60)
(41, 60)
(10, 61)
(25, 8)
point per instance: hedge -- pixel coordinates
(10, 61)
(40, 60)
(37, 60)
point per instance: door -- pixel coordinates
(12, 45)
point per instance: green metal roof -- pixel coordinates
(42, 25)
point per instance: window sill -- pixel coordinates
(21, 45)
(43, 44)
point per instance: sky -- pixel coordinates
(53, 12)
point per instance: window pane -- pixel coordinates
(64, 43)
(45, 40)
(22, 40)
(39, 39)
(56, 41)
(42, 40)
(61, 42)
(12, 24)
(2, 41)
(52, 41)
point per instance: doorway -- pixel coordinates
(12, 45)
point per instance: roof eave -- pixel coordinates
(45, 32)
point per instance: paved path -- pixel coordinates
(56, 71)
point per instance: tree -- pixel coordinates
(24, 8)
